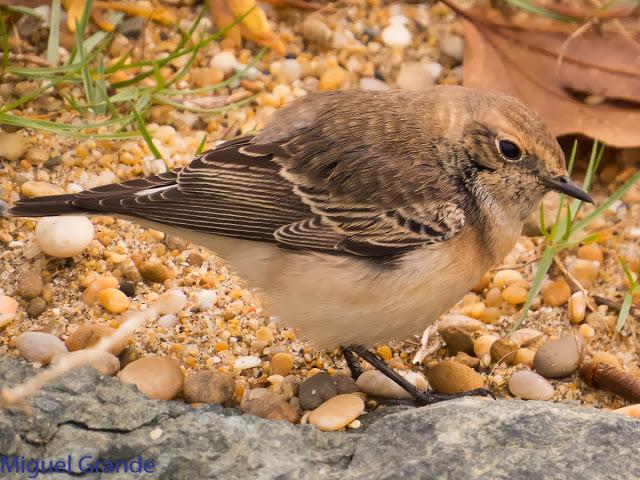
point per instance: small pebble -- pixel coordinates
(337, 412)
(524, 356)
(36, 156)
(453, 46)
(586, 330)
(169, 320)
(291, 70)
(503, 350)
(104, 362)
(171, 301)
(40, 189)
(629, 411)
(373, 84)
(457, 340)
(377, 384)
(482, 344)
(333, 78)
(39, 346)
(13, 146)
(558, 358)
(128, 288)
(396, 35)
(606, 357)
(90, 295)
(321, 387)
(159, 378)
(515, 294)
(556, 293)
(525, 336)
(30, 284)
(249, 361)
(206, 386)
(461, 321)
(585, 272)
(467, 360)
(224, 61)
(448, 377)
(154, 271)
(414, 76)
(155, 434)
(36, 307)
(317, 31)
(64, 236)
(8, 309)
(206, 299)
(265, 403)
(591, 251)
(86, 336)
(113, 300)
(577, 307)
(503, 278)
(529, 385)
(281, 364)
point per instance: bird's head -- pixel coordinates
(512, 154)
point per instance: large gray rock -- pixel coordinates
(85, 414)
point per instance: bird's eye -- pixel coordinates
(509, 150)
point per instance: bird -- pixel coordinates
(360, 216)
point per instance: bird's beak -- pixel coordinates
(564, 184)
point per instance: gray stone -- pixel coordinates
(83, 413)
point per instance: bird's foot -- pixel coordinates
(424, 397)
(352, 362)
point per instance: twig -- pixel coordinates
(600, 300)
(575, 282)
(579, 32)
(28, 58)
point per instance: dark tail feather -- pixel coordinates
(41, 207)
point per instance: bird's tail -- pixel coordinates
(49, 206)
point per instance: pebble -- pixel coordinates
(377, 384)
(461, 321)
(457, 340)
(317, 31)
(629, 411)
(337, 412)
(281, 364)
(467, 360)
(556, 292)
(154, 271)
(558, 358)
(224, 61)
(503, 350)
(65, 236)
(155, 434)
(373, 84)
(264, 403)
(524, 356)
(453, 46)
(332, 78)
(30, 284)
(8, 309)
(36, 307)
(128, 288)
(529, 385)
(13, 146)
(206, 299)
(171, 301)
(321, 387)
(114, 300)
(36, 156)
(482, 344)
(291, 70)
(503, 278)
(577, 307)
(448, 377)
(34, 188)
(606, 357)
(159, 378)
(586, 330)
(39, 346)
(169, 320)
(396, 35)
(591, 252)
(515, 294)
(104, 362)
(585, 272)
(204, 77)
(90, 295)
(414, 76)
(525, 336)
(86, 336)
(207, 386)
(249, 361)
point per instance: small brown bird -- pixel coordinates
(362, 216)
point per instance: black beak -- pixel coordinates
(564, 184)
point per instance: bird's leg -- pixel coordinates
(422, 397)
(352, 362)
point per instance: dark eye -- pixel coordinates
(509, 150)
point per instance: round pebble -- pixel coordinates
(30, 284)
(503, 278)
(482, 344)
(104, 362)
(291, 70)
(87, 336)
(515, 294)
(450, 377)
(333, 78)
(169, 320)
(159, 378)
(503, 350)
(558, 358)
(155, 271)
(90, 295)
(524, 356)
(224, 61)
(206, 386)
(377, 384)
(40, 189)
(453, 46)
(321, 387)
(39, 346)
(591, 252)
(13, 146)
(585, 272)
(373, 84)
(249, 361)
(64, 237)
(396, 35)
(206, 299)
(265, 403)
(8, 309)
(577, 307)
(529, 385)
(317, 31)
(114, 300)
(556, 293)
(36, 307)
(525, 336)
(281, 364)
(457, 340)
(337, 412)
(414, 76)
(171, 301)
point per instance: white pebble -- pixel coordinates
(634, 232)
(155, 434)
(171, 301)
(530, 386)
(242, 363)
(39, 346)
(399, 20)
(396, 36)
(206, 299)
(225, 61)
(373, 84)
(453, 46)
(64, 236)
(434, 69)
(168, 321)
(291, 69)
(375, 383)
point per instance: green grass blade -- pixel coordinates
(200, 148)
(543, 12)
(4, 38)
(203, 111)
(53, 44)
(146, 136)
(21, 10)
(625, 308)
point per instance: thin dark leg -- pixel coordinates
(422, 397)
(352, 362)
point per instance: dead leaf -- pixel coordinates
(522, 60)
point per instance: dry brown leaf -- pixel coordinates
(521, 61)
